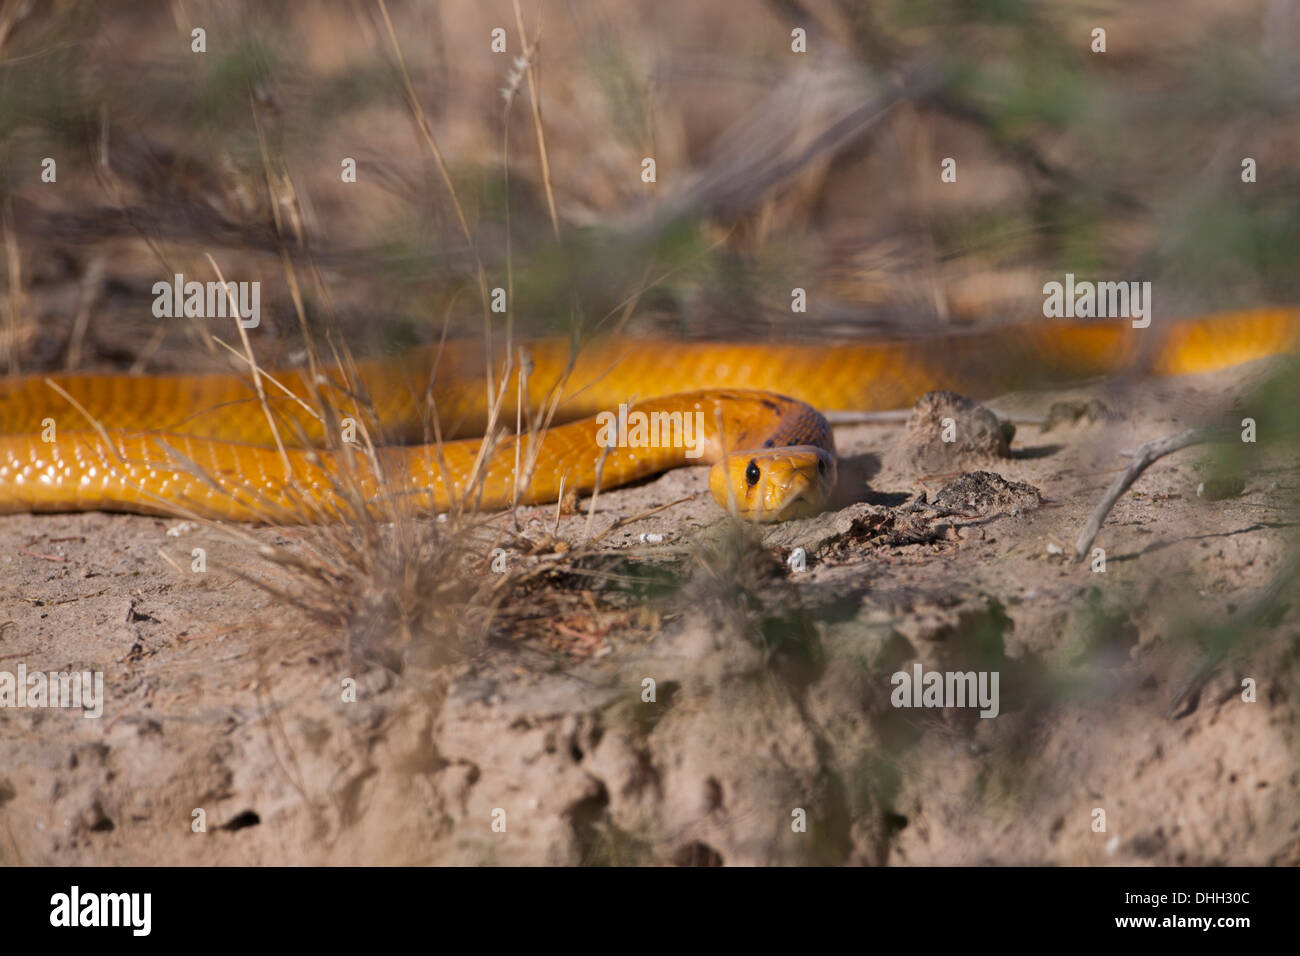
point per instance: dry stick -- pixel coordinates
(624, 522)
(1143, 456)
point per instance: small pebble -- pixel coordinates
(1216, 489)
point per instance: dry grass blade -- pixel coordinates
(14, 276)
(252, 364)
(530, 68)
(256, 370)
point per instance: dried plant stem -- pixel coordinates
(595, 493)
(559, 505)
(256, 370)
(15, 282)
(257, 374)
(535, 101)
(624, 522)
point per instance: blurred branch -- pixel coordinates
(1143, 457)
(178, 219)
(764, 149)
(1024, 152)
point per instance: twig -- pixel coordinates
(624, 522)
(60, 558)
(168, 558)
(1143, 456)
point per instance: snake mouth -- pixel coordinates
(800, 506)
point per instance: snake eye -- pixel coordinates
(821, 466)
(752, 473)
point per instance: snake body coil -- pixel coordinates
(203, 444)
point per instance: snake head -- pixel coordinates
(774, 484)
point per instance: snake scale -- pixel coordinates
(203, 444)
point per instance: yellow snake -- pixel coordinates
(203, 444)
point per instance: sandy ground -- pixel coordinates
(771, 686)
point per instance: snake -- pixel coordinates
(455, 425)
